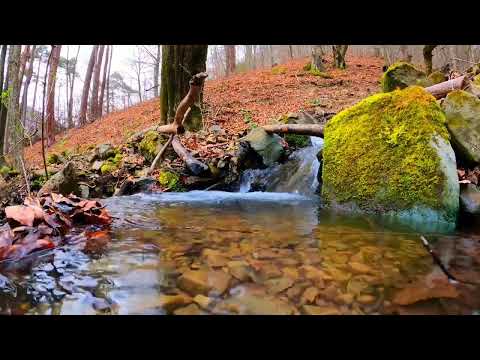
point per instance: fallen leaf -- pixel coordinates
(24, 215)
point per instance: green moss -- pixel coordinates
(149, 145)
(307, 66)
(378, 154)
(38, 181)
(170, 180)
(5, 170)
(400, 75)
(436, 77)
(317, 72)
(278, 70)
(297, 141)
(53, 159)
(112, 164)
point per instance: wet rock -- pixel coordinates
(462, 111)
(309, 295)
(291, 273)
(84, 191)
(269, 147)
(252, 300)
(104, 151)
(425, 289)
(97, 165)
(172, 302)
(275, 286)
(400, 75)
(63, 182)
(426, 192)
(366, 299)
(204, 282)
(203, 301)
(7, 286)
(320, 310)
(470, 199)
(239, 270)
(191, 309)
(214, 258)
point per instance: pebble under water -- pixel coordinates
(245, 253)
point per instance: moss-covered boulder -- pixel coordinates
(462, 111)
(151, 144)
(63, 182)
(474, 87)
(435, 77)
(111, 164)
(390, 154)
(170, 180)
(268, 146)
(400, 75)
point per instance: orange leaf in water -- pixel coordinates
(424, 290)
(24, 215)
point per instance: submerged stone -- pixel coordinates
(462, 111)
(203, 282)
(400, 75)
(390, 154)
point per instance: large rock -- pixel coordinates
(470, 199)
(462, 111)
(390, 154)
(204, 282)
(63, 182)
(269, 147)
(400, 75)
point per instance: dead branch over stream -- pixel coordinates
(442, 89)
(299, 129)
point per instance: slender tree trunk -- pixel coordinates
(36, 85)
(108, 78)
(23, 62)
(175, 80)
(28, 78)
(317, 58)
(3, 108)
(339, 52)
(270, 50)
(95, 86)
(14, 138)
(139, 82)
(104, 80)
(70, 100)
(86, 86)
(156, 72)
(229, 59)
(290, 50)
(67, 83)
(248, 56)
(52, 76)
(428, 57)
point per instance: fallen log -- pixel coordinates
(299, 129)
(442, 89)
(195, 166)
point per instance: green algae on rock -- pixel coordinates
(390, 154)
(462, 111)
(170, 180)
(400, 75)
(149, 146)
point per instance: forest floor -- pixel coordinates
(236, 102)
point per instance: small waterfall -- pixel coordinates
(298, 175)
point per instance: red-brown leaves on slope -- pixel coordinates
(41, 222)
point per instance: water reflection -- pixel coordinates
(252, 253)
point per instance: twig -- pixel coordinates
(43, 113)
(467, 61)
(160, 154)
(25, 175)
(442, 267)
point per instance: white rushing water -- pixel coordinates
(298, 175)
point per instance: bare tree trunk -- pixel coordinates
(230, 59)
(156, 72)
(270, 50)
(317, 58)
(23, 62)
(175, 80)
(86, 86)
(290, 51)
(14, 133)
(108, 78)
(105, 66)
(339, 52)
(52, 75)
(28, 78)
(248, 56)
(3, 108)
(95, 86)
(70, 100)
(427, 57)
(36, 85)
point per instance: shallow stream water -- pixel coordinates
(245, 253)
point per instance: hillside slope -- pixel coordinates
(233, 103)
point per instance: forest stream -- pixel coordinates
(215, 252)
